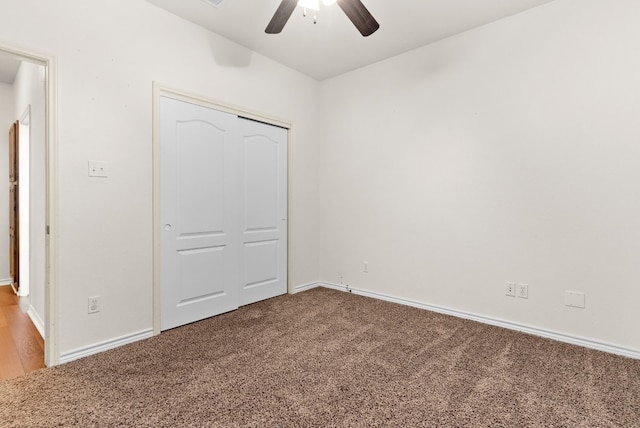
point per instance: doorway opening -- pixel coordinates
(27, 100)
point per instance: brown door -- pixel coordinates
(14, 241)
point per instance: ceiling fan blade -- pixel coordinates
(360, 16)
(282, 15)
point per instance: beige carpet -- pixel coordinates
(324, 358)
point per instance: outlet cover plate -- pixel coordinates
(522, 291)
(574, 299)
(93, 305)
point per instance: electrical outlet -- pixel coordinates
(366, 267)
(523, 291)
(94, 304)
(511, 289)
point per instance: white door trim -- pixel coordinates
(24, 216)
(167, 91)
(51, 345)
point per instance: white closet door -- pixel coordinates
(264, 216)
(223, 212)
(200, 200)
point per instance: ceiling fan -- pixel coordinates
(354, 9)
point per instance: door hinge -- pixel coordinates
(47, 229)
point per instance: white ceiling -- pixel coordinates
(9, 64)
(333, 46)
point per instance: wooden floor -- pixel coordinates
(21, 346)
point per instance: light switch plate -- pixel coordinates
(98, 169)
(510, 289)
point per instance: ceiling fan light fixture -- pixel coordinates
(310, 4)
(354, 9)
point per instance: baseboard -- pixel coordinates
(65, 357)
(36, 320)
(560, 337)
(6, 281)
(305, 287)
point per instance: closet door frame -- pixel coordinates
(160, 90)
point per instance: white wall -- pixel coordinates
(109, 53)
(6, 119)
(507, 153)
(29, 93)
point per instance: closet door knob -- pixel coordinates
(167, 227)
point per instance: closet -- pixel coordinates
(223, 211)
